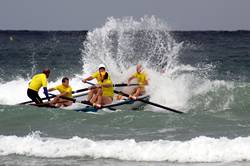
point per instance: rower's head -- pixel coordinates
(46, 71)
(139, 68)
(102, 68)
(65, 81)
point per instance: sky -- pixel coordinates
(90, 14)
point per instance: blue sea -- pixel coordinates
(205, 74)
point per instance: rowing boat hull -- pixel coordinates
(46, 105)
(125, 104)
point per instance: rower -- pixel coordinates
(38, 81)
(102, 93)
(142, 80)
(65, 91)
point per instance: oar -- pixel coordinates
(151, 103)
(124, 84)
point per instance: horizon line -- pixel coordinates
(211, 30)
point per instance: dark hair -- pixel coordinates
(102, 68)
(64, 79)
(46, 71)
(106, 76)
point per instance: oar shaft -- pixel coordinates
(124, 84)
(80, 90)
(161, 106)
(151, 103)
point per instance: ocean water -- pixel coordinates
(205, 74)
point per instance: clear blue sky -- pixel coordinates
(88, 14)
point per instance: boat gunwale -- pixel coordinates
(109, 106)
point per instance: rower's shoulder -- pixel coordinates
(39, 75)
(95, 74)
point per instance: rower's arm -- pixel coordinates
(87, 79)
(46, 93)
(51, 89)
(130, 79)
(63, 94)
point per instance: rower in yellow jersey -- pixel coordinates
(142, 80)
(65, 90)
(38, 81)
(103, 92)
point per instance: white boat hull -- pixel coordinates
(124, 104)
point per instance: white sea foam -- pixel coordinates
(122, 43)
(15, 91)
(199, 149)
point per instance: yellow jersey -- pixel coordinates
(38, 81)
(61, 88)
(105, 91)
(141, 78)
